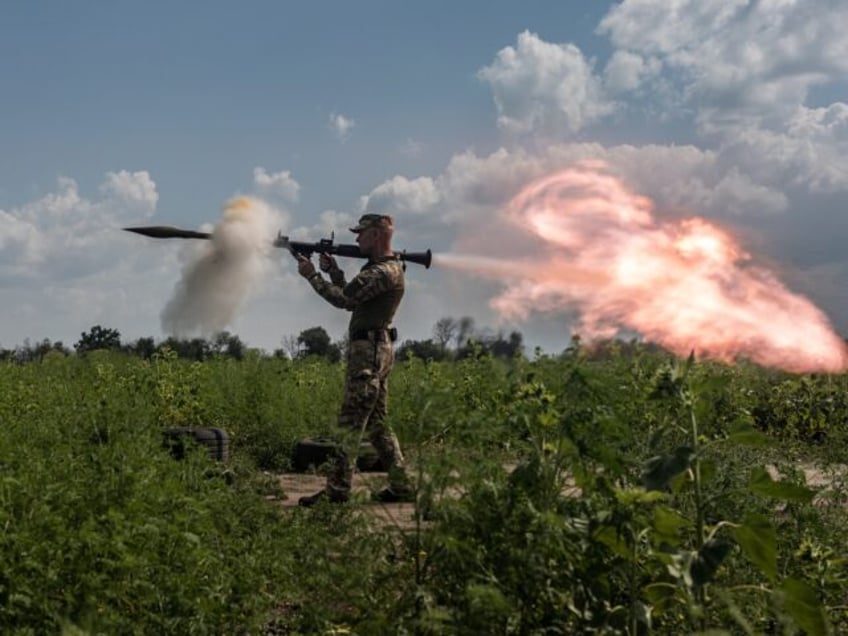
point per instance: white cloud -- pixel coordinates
(743, 70)
(133, 192)
(400, 195)
(66, 235)
(330, 223)
(341, 126)
(65, 255)
(278, 184)
(739, 60)
(545, 87)
(681, 179)
(626, 71)
(809, 152)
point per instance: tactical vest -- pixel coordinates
(378, 312)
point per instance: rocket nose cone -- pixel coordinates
(138, 230)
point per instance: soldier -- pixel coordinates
(373, 297)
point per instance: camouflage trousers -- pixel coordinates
(363, 415)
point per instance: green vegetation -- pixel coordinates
(614, 491)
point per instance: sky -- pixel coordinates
(439, 113)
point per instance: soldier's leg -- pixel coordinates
(362, 387)
(380, 434)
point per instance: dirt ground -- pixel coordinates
(401, 515)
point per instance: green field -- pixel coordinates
(643, 495)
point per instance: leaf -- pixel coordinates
(761, 483)
(744, 433)
(708, 470)
(803, 606)
(659, 593)
(668, 523)
(642, 613)
(708, 559)
(637, 495)
(610, 538)
(663, 468)
(758, 540)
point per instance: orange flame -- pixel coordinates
(686, 284)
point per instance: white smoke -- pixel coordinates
(222, 275)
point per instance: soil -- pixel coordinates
(400, 515)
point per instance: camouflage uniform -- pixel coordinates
(373, 296)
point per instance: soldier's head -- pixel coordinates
(374, 234)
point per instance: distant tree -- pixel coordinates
(98, 338)
(493, 345)
(45, 347)
(423, 349)
(197, 349)
(315, 341)
(289, 347)
(227, 344)
(143, 348)
(444, 331)
(464, 331)
(501, 348)
(29, 352)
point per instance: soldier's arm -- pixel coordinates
(328, 264)
(337, 277)
(365, 286)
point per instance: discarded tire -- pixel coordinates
(215, 440)
(309, 454)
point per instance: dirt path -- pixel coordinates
(401, 515)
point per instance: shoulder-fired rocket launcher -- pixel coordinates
(323, 246)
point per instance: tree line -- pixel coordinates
(452, 339)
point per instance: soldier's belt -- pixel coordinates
(376, 335)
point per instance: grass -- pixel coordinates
(674, 530)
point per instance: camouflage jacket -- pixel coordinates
(373, 295)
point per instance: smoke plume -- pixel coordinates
(684, 284)
(220, 276)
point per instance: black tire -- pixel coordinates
(310, 454)
(215, 440)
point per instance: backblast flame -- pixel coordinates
(685, 284)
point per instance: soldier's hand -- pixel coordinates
(304, 266)
(327, 262)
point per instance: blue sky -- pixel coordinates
(123, 113)
(199, 93)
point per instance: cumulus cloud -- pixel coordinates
(544, 86)
(741, 70)
(330, 222)
(67, 235)
(64, 255)
(680, 179)
(627, 71)
(341, 126)
(400, 195)
(279, 184)
(759, 57)
(809, 152)
(135, 191)
(747, 70)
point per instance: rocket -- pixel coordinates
(324, 246)
(167, 231)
